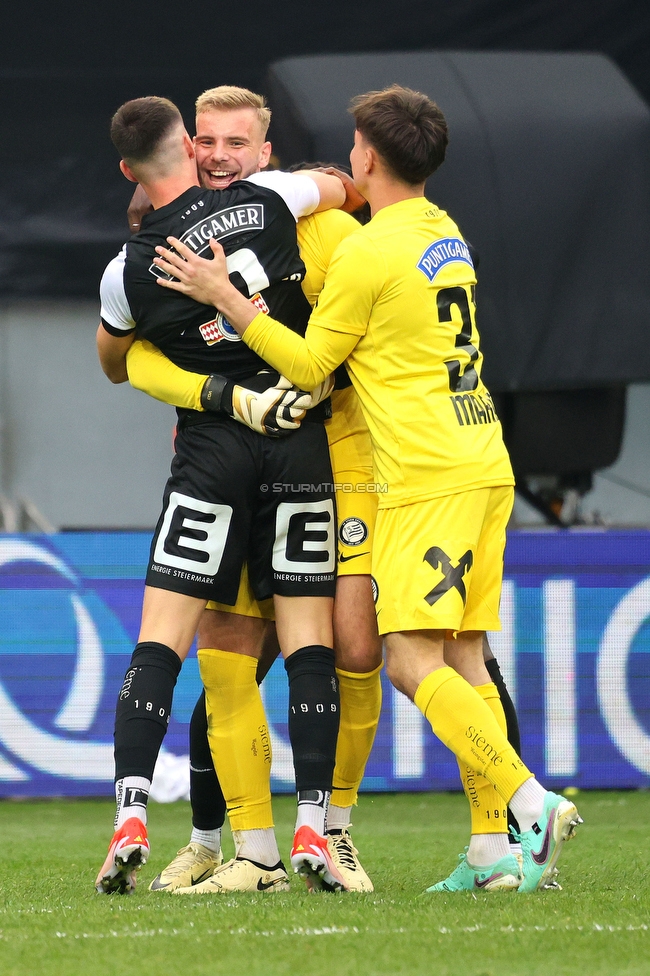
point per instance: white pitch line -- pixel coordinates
(588, 928)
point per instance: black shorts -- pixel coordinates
(235, 496)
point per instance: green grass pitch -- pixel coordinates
(53, 924)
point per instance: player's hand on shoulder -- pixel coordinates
(353, 199)
(202, 279)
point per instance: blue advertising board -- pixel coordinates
(575, 650)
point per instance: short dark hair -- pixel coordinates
(406, 128)
(139, 126)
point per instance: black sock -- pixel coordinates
(206, 795)
(143, 709)
(314, 711)
(512, 723)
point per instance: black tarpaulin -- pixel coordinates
(62, 198)
(547, 174)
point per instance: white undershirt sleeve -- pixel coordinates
(299, 192)
(115, 309)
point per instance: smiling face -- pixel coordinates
(230, 145)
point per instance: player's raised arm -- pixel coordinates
(330, 187)
(354, 199)
(274, 410)
(139, 206)
(308, 361)
(306, 192)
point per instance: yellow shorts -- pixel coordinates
(438, 564)
(354, 482)
(356, 501)
(246, 604)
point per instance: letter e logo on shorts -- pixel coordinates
(304, 537)
(193, 535)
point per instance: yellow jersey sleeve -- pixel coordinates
(152, 372)
(306, 362)
(354, 281)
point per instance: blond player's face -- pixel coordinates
(229, 146)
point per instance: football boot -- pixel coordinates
(240, 874)
(311, 859)
(128, 851)
(192, 865)
(346, 858)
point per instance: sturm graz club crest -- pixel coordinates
(353, 532)
(375, 589)
(453, 575)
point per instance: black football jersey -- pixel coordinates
(258, 233)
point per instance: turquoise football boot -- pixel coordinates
(503, 875)
(542, 845)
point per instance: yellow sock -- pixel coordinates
(488, 812)
(360, 709)
(466, 725)
(239, 737)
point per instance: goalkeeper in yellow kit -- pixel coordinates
(398, 307)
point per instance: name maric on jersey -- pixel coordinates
(222, 223)
(474, 408)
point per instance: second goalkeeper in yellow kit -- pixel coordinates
(398, 307)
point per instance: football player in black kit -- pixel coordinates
(230, 144)
(216, 512)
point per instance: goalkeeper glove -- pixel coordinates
(274, 411)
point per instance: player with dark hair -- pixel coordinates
(230, 144)
(216, 514)
(398, 307)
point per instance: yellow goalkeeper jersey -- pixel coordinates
(319, 235)
(399, 302)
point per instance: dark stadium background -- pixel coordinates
(65, 67)
(188, 46)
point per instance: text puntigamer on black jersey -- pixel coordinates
(258, 233)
